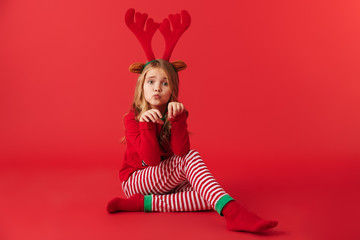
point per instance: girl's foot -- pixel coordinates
(133, 204)
(240, 219)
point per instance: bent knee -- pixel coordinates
(192, 154)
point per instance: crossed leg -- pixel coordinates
(184, 184)
(179, 183)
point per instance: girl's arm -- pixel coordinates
(180, 143)
(142, 136)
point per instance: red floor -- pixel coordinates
(69, 203)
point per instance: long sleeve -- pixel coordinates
(180, 143)
(142, 136)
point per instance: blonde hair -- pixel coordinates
(140, 105)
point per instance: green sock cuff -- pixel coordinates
(147, 203)
(222, 202)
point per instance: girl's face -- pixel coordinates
(156, 89)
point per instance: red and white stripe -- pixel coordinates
(177, 184)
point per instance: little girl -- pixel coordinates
(160, 172)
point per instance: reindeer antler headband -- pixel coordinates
(145, 35)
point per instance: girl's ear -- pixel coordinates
(179, 65)
(136, 67)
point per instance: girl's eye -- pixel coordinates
(166, 84)
(150, 81)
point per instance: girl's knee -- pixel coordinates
(192, 154)
(189, 158)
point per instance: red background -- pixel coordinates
(272, 88)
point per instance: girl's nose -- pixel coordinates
(157, 87)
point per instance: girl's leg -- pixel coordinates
(183, 198)
(178, 202)
(165, 177)
(162, 179)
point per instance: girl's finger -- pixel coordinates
(174, 112)
(154, 116)
(170, 109)
(181, 108)
(178, 109)
(173, 109)
(150, 116)
(145, 118)
(158, 113)
(142, 119)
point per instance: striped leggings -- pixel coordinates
(179, 183)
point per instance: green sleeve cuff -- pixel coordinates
(222, 202)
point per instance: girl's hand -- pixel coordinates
(174, 109)
(152, 115)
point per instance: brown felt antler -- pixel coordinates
(172, 37)
(137, 27)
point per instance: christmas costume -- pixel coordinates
(170, 176)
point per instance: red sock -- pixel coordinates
(240, 219)
(133, 204)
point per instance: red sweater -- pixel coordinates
(143, 148)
